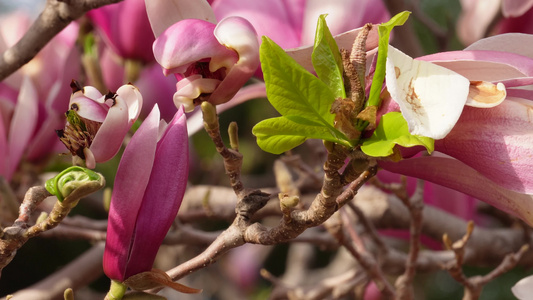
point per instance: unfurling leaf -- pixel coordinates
(392, 130)
(76, 182)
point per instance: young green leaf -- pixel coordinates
(327, 59)
(291, 89)
(392, 130)
(383, 46)
(281, 134)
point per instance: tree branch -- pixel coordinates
(54, 18)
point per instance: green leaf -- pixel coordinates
(72, 178)
(281, 134)
(383, 47)
(291, 89)
(391, 131)
(327, 59)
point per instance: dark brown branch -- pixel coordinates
(54, 18)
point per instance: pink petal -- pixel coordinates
(134, 100)
(22, 126)
(191, 88)
(239, 35)
(475, 18)
(514, 8)
(186, 42)
(484, 65)
(126, 29)
(343, 15)
(88, 108)
(118, 121)
(279, 20)
(344, 40)
(458, 176)
(517, 43)
(163, 195)
(163, 14)
(130, 183)
(497, 142)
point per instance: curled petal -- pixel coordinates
(88, 108)
(187, 42)
(485, 94)
(238, 34)
(497, 142)
(191, 88)
(163, 195)
(134, 100)
(130, 183)
(454, 174)
(430, 97)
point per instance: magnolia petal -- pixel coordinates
(163, 195)
(484, 65)
(278, 19)
(485, 94)
(523, 289)
(237, 34)
(187, 42)
(22, 125)
(344, 40)
(454, 174)
(134, 100)
(188, 90)
(497, 142)
(108, 139)
(130, 183)
(513, 8)
(518, 43)
(343, 15)
(475, 17)
(163, 14)
(88, 108)
(431, 98)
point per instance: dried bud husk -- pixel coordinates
(155, 279)
(345, 113)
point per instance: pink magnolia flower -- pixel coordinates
(212, 61)
(491, 147)
(155, 87)
(98, 123)
(126, 29)
(147, 194)
(32, 100)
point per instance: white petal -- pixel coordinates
(430, 97)
(523, 289)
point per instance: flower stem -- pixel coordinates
(116, 290)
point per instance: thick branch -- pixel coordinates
(54, 18)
